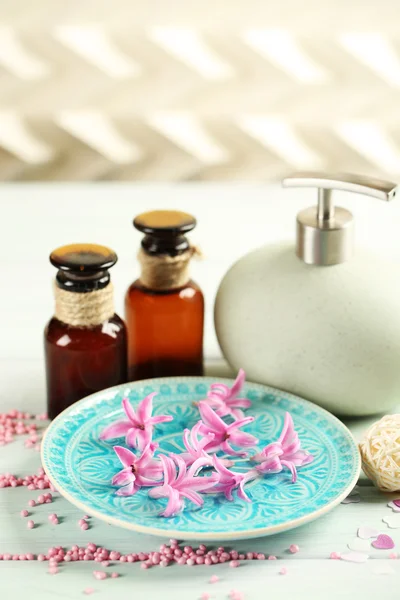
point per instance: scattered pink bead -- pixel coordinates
(41, 557)
(271, 557)
(100, 575)
(84, 527)
(114, 575)
(24, 513)
(53, 570)
(30, 524)
(234, 564)
(88, 591)
(31, 503)
(214, 579)
(283, 571)
(41, 499)
(144, 566)
(335, 555)
(293, 548)
(205, 596)
(260, 556)
(105, 563)
(30, 556)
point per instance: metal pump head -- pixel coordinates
(325, 233)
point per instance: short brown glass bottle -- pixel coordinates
(164, 309)
(85, 342)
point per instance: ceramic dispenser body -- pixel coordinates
(327, 332)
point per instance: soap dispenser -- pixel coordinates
(318, 318)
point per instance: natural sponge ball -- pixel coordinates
(380, 453)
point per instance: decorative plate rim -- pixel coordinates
(202, 536)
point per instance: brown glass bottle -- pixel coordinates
(82, 354)
(165, 326)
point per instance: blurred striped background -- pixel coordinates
(171, 90)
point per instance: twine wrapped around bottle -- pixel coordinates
(380, 453)
(86, 309)
(163, 272)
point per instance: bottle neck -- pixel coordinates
(88, 309)
(164, 272)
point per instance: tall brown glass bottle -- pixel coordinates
(85, 342)
(164, 308)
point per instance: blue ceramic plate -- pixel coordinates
(81, 467)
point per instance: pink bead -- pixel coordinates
(173, 542)
(249, 555)
(30, 556)
(53, 570)
(214, 579)
(260, 556)
(81, 522)
(202, 547)
(164, 563)
(52, 516)
(31, 503)
(114, 575)
(144, 566)
(393, 555)
(24, 513)
(225, 555)
(293, 548)
(334, 555)
(214, 559)
(22, 557)
(234, 555)
(271, 557)
(234, 564)
(84, 527)
(67, 558)
(105, 563)
(122, 559)
(31, 524)
(115, 555)
(200, 560)
(190, 562)
(283, 571)
(242, 556)
(207, 561)
(74, 548)
(41, 557)
(100, 575)
(182, 561)
(92, 547)
(7, 556)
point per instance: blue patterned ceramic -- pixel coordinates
(81, 467)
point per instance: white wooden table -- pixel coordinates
(36, 219)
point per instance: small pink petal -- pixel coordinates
(126, 457)
(383, 542)
(394, 505)
(355, 557)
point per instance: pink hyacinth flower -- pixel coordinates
(138, 429)
(229, 480)
(286, 452)
(195, 446)
(137, 472)
(225, 400)
(224, 435)
(182, 484)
